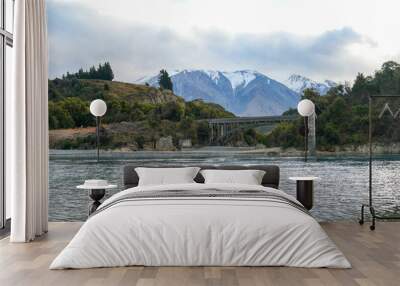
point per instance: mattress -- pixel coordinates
(201, 225)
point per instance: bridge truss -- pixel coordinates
(221, 128)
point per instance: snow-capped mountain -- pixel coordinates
(299, 83)
(245, 93)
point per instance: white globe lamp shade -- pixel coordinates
(98, 107)
(306, 107)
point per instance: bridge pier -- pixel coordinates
(210, 125)
(312, 144)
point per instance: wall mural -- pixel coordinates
(220, 89)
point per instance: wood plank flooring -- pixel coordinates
(375, 257)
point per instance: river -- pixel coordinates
(342, 187)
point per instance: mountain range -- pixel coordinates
(299, 83)
(245, 92)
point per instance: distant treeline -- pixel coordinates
(342, 114)
(103, 71)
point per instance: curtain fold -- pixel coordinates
(27, 155)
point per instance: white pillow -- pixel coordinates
(247, 177)
(166, 176)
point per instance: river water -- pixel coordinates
(342, 187)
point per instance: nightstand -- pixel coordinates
(305, 190)
(97, 190)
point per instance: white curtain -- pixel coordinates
(27, 123)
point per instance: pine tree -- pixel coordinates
(100, 72)
(81, 73)
(108, 72)
(164, 80)
(92, 72)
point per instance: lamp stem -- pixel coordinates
(98, 137)
(370, 150)
(305, 138)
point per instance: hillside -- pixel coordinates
(90, 89)
(69, 101)
(342, 115)
(131, 108)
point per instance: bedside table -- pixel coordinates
(305, 190)
(97, 190)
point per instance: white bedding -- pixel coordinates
(200, 231)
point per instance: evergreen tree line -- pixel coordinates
(103, 71)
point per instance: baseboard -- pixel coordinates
(5, 231)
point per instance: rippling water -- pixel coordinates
(342, 187)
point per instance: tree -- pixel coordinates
(203, 133)
(250, 137)
(92, 72)
(59, 117)
(388, 78)
(80, 73)
(173, 111)
(164, 80)
(108, 72)
(140, 141)
(311, 94)
(360, 90)
(78, 110)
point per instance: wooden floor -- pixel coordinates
(375, 257)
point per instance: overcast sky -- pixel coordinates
(321, 39)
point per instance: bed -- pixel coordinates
(198, 224)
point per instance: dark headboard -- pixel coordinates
(271, 177)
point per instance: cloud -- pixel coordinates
(81, 37)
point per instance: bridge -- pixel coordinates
(222, 127)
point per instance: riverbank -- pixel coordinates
(222, 150)
(129, 137)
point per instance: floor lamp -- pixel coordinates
(306, 108)
(98, 108)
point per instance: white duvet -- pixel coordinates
(211, 231)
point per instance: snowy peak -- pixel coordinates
(213, 75)
(240, 78)
(299, 83)
(236, 79)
